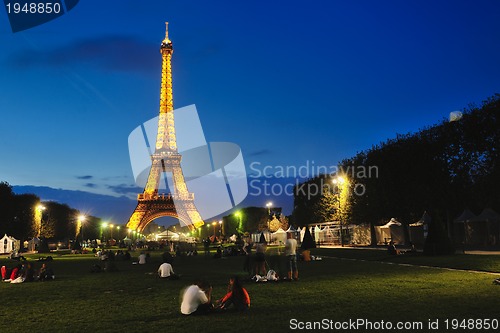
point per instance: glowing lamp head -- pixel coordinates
(338, 180)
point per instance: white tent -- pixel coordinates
(391, 231)
(8, 244)
(32, 244)
(169, 235)
(331, 235)
(127, 241)
(257, 235)
(279, 235)
(318, 234)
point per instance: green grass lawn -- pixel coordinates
(135, 299)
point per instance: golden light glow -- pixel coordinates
(165, 159)
(38, 219)
(166, 40)
(339, 180)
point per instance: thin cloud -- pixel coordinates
(260, 152)
(86, 177)
(112, 53)
(125, 189)
(90, 185)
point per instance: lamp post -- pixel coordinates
(39, 215)
(214, 224)
(104, 225)
(269, 205)
(111, 231)
(81, 221)
(339, 181)
(220, 227)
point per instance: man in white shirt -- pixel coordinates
(165, 270)
(196, 299)
(291, 254)
(142, 258)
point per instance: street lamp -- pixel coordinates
(111, 230)
(214, 224)
(39, 214)
(269, 205)
(339, 181)
(104, 225)
(220, 227)
(81, 220)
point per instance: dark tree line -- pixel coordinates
(18, 218)
(441, 169)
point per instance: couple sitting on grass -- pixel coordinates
(197, 298)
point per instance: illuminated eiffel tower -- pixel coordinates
(165, 158)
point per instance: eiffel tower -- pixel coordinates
(166, 158)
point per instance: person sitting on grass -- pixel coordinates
(29, 273)
(196, 299)
(45, 273)
(167, 272)
(391, 249)
(236, 296)
(5, 272)
(15, 273)
(142, 258)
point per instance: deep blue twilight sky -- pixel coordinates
(288, 81)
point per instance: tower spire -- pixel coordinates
(166, 40)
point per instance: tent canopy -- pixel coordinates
(425, 219)
(279, 231)
(8, 244)
(392, 222)
(168, 235)
(487, 215)
(465, 216)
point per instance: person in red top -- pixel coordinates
(236, 295)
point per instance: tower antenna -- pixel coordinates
(166, 31)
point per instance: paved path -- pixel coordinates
(421, 266)
(384, 248)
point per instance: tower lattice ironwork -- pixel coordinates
(180, 204)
